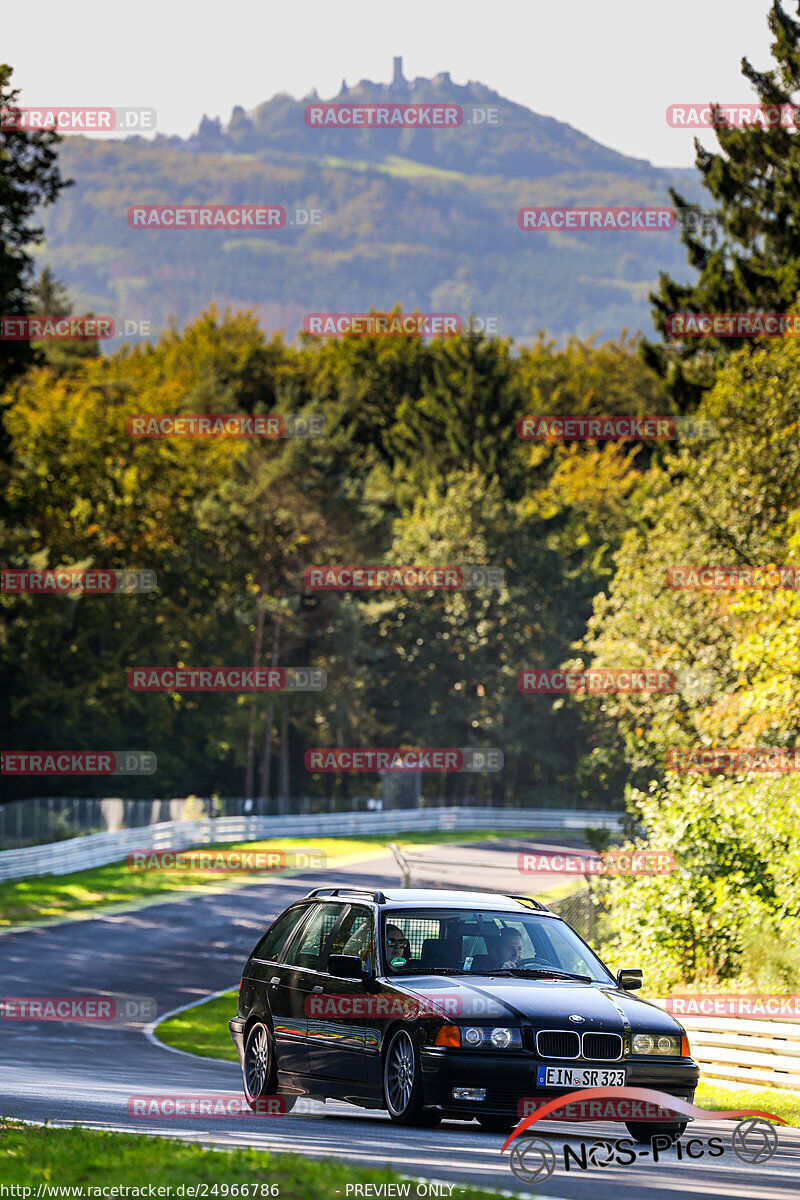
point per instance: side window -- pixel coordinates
(274, 939)
(354, 935)
(305, 948)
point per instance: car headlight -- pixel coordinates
(500, 1037)
(657, 1043)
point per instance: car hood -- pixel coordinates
(544, 1003)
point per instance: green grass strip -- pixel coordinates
(39, 897)
(31, 1155)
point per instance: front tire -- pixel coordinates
(402, 1083)
(259, 1076)
(643, 1131)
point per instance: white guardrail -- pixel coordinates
(743, 1050)
(98, 849)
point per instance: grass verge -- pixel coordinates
(203, 1029)
(783, 1102)
(39, 897)
(32, 1154)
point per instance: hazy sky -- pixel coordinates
(610, 68)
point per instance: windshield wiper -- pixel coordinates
(542, 971)
(432, 971)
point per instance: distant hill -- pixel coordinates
(521, 145)
(421, 217)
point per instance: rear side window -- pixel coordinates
(354, 935)
(276, 936)
(306, 946)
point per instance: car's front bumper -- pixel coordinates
(510, 1080)
(236, 1026)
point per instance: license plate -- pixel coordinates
(579, 1077)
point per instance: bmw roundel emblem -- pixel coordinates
(577, 1019)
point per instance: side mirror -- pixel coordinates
(346, 966)
(629, 979)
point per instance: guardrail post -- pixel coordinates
(402, 863)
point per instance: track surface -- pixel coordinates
(179, 951)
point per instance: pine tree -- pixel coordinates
(29, 177)
(753, 264)
(50, 297)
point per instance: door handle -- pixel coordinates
(316, 989)
(275, 980)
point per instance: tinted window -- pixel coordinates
(354, 935)
(305, 948)
(273, 940)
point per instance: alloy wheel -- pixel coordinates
(256, 1061)
(400, 1072)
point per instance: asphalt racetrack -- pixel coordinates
(179, 951)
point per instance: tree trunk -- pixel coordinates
(250, 749)
(283, 766)
(266, 761)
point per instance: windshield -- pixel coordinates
(465, 942)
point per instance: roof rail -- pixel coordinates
(377, 896)
(530, 900)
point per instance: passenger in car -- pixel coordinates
(510, 948)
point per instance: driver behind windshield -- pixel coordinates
(398, 950)
(510, 949)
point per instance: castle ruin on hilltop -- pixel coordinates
(398, 86)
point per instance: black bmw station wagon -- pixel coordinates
(439, 1004)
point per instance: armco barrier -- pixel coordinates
(98, 849)
(741, 1050)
